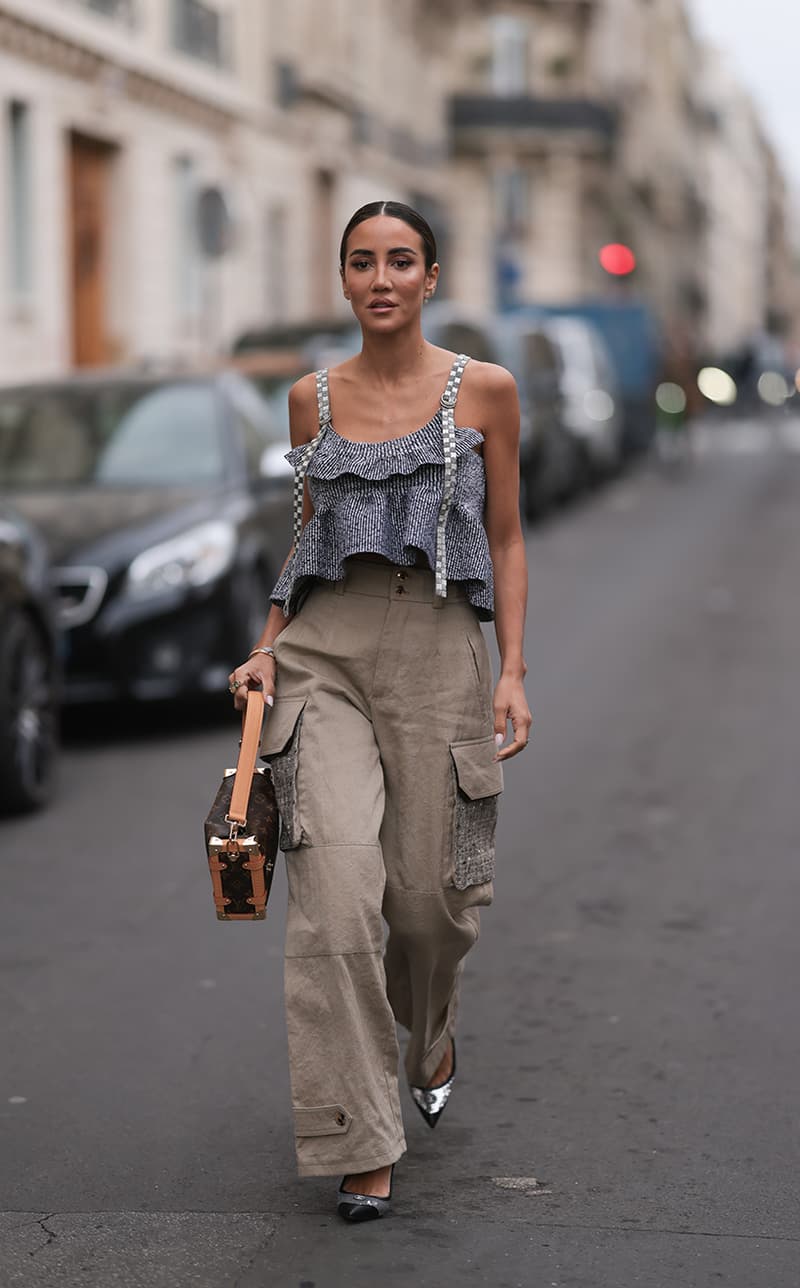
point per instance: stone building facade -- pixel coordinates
(751, 279)
(646, 61)
(531, 143)
(117, 114)
(530, 131)
(581, 122)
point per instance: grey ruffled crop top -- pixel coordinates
(420, 494)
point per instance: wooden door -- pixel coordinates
(90, 184)
(323, 250)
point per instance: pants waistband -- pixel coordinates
(396, 581)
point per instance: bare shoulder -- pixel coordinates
(490, 400)
(490, 380)
(303, 415)
(303, 393)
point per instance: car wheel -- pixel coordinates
(28, 720)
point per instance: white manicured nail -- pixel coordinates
(498, 740)
(269, 699)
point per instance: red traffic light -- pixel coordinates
(617, 259)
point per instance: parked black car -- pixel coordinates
(273, 372)
(592, 412)
(546, 457)
(28, 668)
(308, 337)
(166, 503)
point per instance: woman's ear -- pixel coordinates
(345, 291)
(431, 278)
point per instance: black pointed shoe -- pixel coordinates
(431, 1101)
(363, 1207)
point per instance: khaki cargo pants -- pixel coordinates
(381, 743)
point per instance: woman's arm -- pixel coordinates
(500, 424)
(259, 671)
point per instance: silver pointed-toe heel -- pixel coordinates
(431, 1101)
(363, 1207)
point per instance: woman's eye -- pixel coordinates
(402, 263)
(360, 263)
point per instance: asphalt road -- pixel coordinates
(626, 1106)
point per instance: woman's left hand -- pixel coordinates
(258, 672)
(511, 704)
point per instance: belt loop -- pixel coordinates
(438, 600)
(339, 586)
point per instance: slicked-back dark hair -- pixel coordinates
(396, 210)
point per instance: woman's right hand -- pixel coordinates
(258, 672)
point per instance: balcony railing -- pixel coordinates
(125, 11)
(524, 112)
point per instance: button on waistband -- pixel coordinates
(393, 581)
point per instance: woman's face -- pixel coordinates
(384, 274)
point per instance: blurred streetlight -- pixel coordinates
(717, 386)
(772, 388)
(671, 399)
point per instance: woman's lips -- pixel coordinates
(381, 306)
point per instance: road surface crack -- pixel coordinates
(51, 1234)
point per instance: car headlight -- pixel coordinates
(194, 558)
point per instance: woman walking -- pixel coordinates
(385, 739)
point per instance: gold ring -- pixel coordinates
(237, 684)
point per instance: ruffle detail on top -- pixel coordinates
(336, 456)
(384, 499)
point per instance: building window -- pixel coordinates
(276, 264)
(509, 63)
(187, 281)
(285, 81)
(20, 199)
(324, 295)
(436, 214)
(198, 29)
(512, 208)
(361, 126)
(123, 10)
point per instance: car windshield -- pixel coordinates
(274, 389)
(159, 435)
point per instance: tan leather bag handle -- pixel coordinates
(248, 752)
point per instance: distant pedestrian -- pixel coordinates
(385, 739)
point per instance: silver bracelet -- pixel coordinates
(270, 652)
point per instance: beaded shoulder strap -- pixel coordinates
(324, 412)
(449, 399)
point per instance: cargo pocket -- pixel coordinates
(322, 1120)
(478, 783)
(280, 748)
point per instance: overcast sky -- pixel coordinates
(763, 40)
